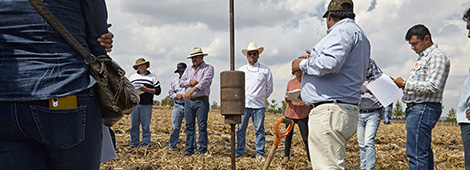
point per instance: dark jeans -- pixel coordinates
(420, 120)
(196, 111)
(465, 130)
(302, 124)
(32, 136)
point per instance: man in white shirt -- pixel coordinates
(258, 87)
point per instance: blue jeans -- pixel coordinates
(141, 115)
(176, 119)
(32, 136)
(196, 109)
(420, 120)
(367, 126)
(258, 124)
(465, 131)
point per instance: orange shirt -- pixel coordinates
(296, 110)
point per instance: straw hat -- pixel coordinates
(196, 51)
(252, 47)
(140, 61)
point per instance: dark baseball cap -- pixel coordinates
(180, 67)
(337, 5)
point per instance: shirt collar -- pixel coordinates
(343, 21)
(148, 72)
(254, 65)
(200, 66)
(427, 50)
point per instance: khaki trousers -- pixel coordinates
(330, 126)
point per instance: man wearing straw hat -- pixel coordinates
(148, 85)
(333, 75)
(196, 80)
(258, 87)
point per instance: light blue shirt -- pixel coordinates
(337, 65)
(464, 102)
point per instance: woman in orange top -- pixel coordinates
(298, 112)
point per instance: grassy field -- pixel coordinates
(390, 144)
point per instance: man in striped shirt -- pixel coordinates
(147, 85)
(423, 96)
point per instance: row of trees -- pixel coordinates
(274, 107)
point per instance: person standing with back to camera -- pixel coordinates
(38, 67)
(331, 84)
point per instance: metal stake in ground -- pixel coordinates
(232, 90)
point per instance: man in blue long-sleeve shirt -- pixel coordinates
(331, 84)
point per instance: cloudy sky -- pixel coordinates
(164, 31)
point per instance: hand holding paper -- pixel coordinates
(385, 90)
(294, 95)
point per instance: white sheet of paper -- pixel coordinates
(385, 90)
(294, 95)
(107, 150)
(137, 86)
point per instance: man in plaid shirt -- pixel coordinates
(423, 96)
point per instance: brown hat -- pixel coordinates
(337, 5)
(140, 61)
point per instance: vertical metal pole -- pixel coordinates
(232, 143)
(232, 37)
(232, 68)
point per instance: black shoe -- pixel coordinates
(187, 154)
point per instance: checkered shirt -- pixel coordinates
(428, 78)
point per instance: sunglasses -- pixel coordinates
(252, 53)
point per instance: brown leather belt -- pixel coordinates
(197, 98)
(412, 104)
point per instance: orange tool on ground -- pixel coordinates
(279, 136)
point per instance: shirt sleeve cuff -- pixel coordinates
(303, 65)
(408, 86)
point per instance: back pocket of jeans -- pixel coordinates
(62, 128)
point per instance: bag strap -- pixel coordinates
(57, 25)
